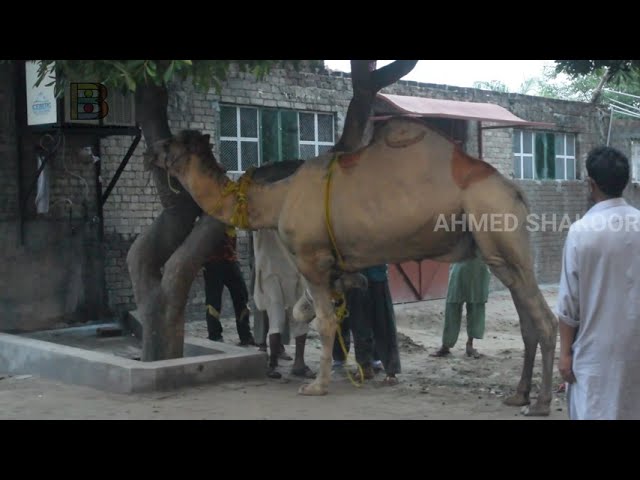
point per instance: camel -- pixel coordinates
(380, 203)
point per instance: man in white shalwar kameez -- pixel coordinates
(278, 286)
(599, 299)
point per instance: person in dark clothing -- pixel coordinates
(223, 270)
(371, 320)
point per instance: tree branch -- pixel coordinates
(366, 83)
(597, 93)
(392, 73)
(361, 75)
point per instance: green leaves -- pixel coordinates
(575, 68)
(127, 75)
(586, 75)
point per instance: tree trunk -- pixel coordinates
(170, 242)
(606, 77)
(367, 81)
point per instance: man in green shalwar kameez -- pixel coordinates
(468, 283)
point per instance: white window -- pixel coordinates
(239, 146)
(252, 136)
(565, 156)
(523, 154)
(543, 155)
(316, 134)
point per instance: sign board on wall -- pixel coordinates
(42, 108)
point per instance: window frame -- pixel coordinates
(238, 139)
(522, 155)
(531, 157)
(316, 143)
(566, 157)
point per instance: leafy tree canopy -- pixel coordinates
(127, 75)
(575, 68)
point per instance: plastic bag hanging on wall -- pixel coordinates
(42, 195)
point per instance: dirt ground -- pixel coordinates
(454, 387)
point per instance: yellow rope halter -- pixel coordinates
(338, 298)
(240, 216)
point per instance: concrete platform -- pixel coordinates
(79, 356)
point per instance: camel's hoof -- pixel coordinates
(313, 389)
(537, 410)
(517, 400)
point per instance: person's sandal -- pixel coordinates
(246, 342)
(367, 372)
(283, 355)
(472, 352)
(390, 380)
(440, 353)
(305, 372)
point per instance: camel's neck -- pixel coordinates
(208, 190)
(222, 199)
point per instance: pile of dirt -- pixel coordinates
(407, 345)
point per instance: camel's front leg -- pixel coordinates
(326, 325)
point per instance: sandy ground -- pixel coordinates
(454, 387)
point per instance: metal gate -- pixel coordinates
(416, 281)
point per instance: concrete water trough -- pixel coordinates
(106, 357)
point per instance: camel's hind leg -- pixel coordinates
(537, 324)
(508, 255)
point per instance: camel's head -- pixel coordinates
(188, 148)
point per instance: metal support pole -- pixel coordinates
(122, 166)
(20, 119)
(610, 124)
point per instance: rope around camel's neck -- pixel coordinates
(239, 189)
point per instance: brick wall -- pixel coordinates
(55, 273)
(549, 203)
(623, 132)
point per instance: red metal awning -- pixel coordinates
(432, 107)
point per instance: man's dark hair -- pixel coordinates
(609, 168)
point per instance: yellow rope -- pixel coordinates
(341, 313)
(338, 297)
(240, 216)
(327, 206)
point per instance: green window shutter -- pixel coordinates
(289, 135)
(269, 136)
(550, 157)
(545, 157)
